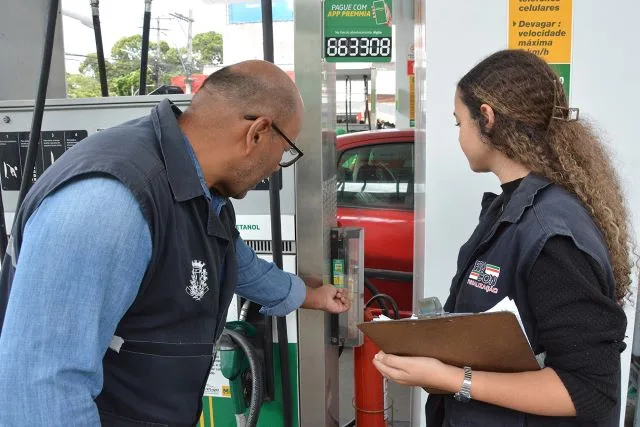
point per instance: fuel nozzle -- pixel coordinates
(239, 364)
(233, 364)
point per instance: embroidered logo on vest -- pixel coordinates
(484, 276)
(198, 283)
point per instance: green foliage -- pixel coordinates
(127, 84)
(80, 86)
(123, 67)
(207, 48)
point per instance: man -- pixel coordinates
(124, 258)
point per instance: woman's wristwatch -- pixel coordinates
(464, 395)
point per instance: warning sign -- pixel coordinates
(543, 27)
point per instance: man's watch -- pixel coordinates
(464, 395)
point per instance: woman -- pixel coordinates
(555, 241)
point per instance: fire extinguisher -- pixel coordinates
(372, 407)
(369, 384)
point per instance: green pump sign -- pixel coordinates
(247, 227)
(357, 30)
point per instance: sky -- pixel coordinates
(119, 18)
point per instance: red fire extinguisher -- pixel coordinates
(370, 404)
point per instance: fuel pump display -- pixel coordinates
(347, 271)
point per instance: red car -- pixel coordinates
(375, 192)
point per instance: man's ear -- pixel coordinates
(259, 129)
(489, 118)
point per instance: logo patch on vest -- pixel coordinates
(198, 283)
(484, 276)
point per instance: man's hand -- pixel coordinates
(327, 298)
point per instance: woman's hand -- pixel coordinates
(535, 392)
(419, 371)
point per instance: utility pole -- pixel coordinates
(189, 65)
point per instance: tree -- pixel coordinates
(172, 63)
(89, 67)
(128, 84)
(126, 54)
(80, 86)
(164, 62)
(207, 48)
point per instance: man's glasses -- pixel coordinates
(289, 156)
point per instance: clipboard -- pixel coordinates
(492, 341)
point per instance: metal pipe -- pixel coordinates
(36, 123)
(367, 112)
(97, 31)
(144, 53)
(347, 101)
(276, 235)
(244, 311)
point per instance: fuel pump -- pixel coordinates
(349, 122)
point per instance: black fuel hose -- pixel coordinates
(38, 112)
(97, 31)
(257, 377)
(144, 54)
(4, 239)
(276, 236)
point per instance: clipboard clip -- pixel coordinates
(429, 307)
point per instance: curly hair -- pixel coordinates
(532, 126)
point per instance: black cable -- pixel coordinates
(387, 297)
(38, 112)
(144, 54)
(97, 31)
(257, 377)
(374, 291)
(4, 239)
(276, 236)
(267, 30)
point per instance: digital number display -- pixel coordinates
(357, 47)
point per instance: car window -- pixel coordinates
(377, 176)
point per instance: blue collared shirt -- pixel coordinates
(258, 280)
(80, 266)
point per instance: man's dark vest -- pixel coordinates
(157, 366)
(495, 262)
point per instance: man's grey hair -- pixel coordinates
(253, 94)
